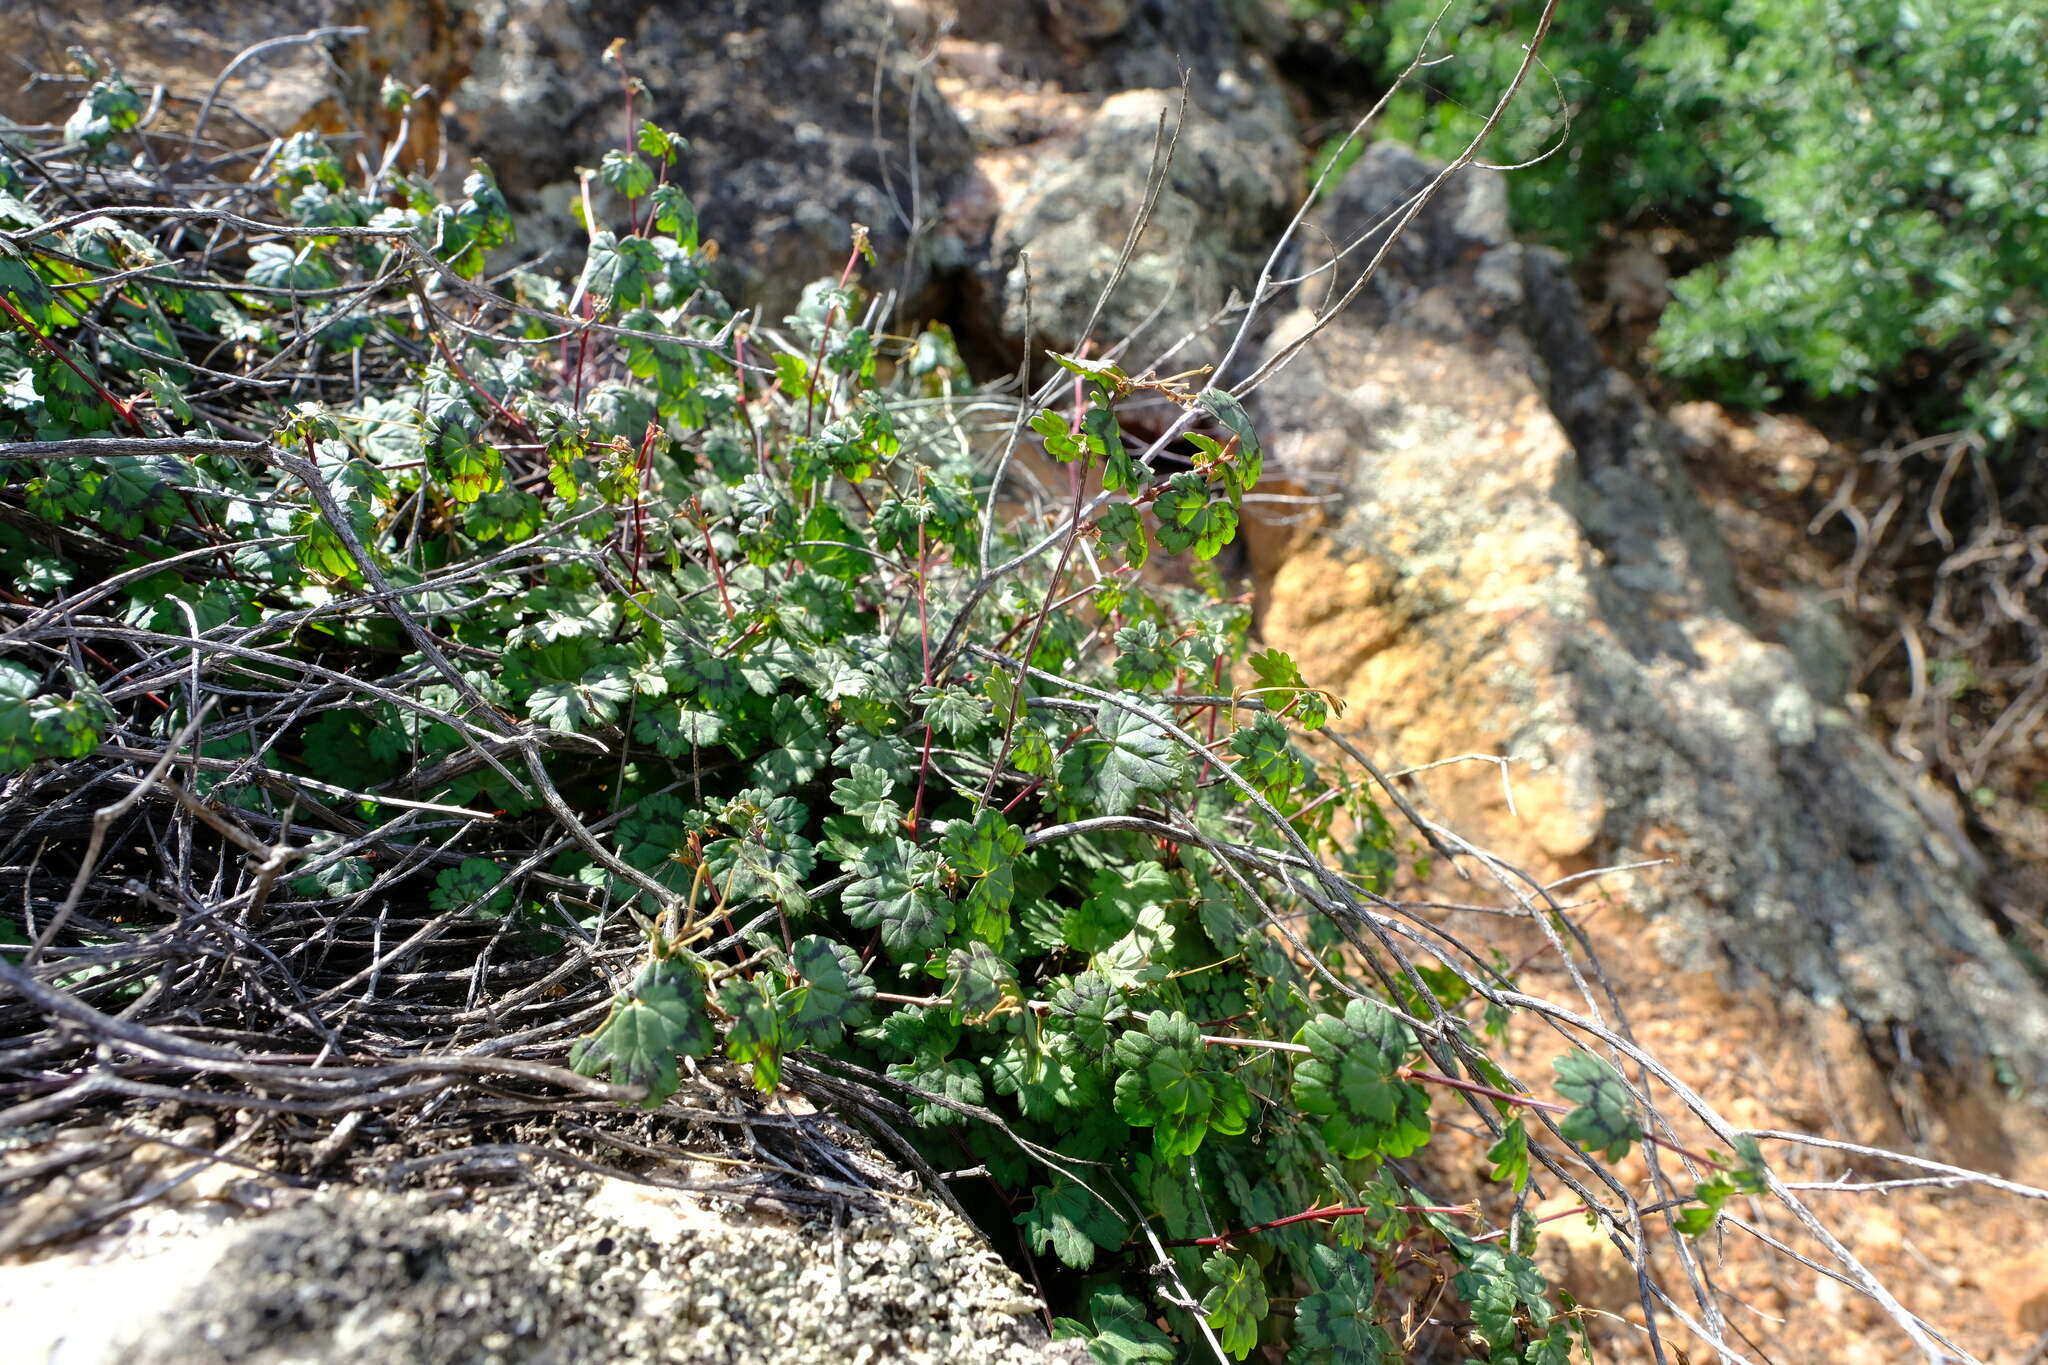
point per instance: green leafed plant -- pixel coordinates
(657, 1019)
(702, 680)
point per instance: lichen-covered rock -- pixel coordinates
(1227, 192)
(1518, 565)
(331, 83)
(587, 1271)
(1065, 109)
(803, 116)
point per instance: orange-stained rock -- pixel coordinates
(1513, 563)
(2018, 1285)
(332, 84)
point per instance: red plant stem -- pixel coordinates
(924, 633)
(1475, 1088)
(825, 333)
(1012, 803)
(1317, 1216)
(643, 468)
(924, 640)
(1003, 643)
(509, 417)
(711, 553)
(125, 410)
(89, 652)
(732, 650)
(582, 352)
(1499, 1233)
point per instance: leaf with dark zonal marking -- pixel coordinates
(1073, 1222)
(898, 891)
(1190, 519)
(1339, 1323)
(980, 983)
(675, 731)
(1127, 758)
(985, 853)
(1145, 656)
(1351, 1080)
(1123, 1332)
(658, 1018)
(34, 726)
(1604, 1117)
(1265, 757)
(1168, 1083)
(1087, 1010)
(1123, 531)
(838, 995)
(1502, 1289)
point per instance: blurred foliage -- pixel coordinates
(1882, 165)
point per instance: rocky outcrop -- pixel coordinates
(1067, 106)
(1517, 565)
(998, 155)
(803, 116)
(268, 86)
(584, 1270)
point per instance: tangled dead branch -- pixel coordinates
(452, 669)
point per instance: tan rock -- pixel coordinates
(2019, 1287)
(1577, 1254)
(1514, 564)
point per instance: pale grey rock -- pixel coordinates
(1228, 188)
(1064, 104)
(591, 1270)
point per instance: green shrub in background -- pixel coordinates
(1885, 163)
(1642, 82)
(1896, 157)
